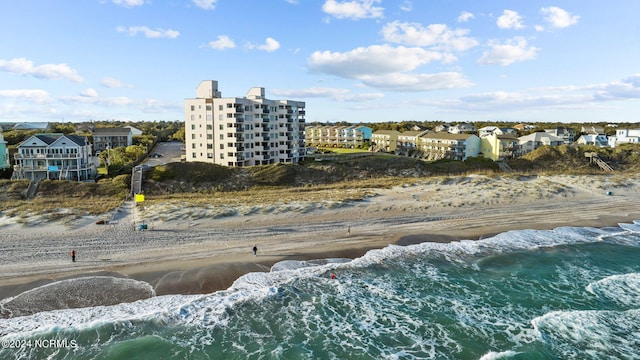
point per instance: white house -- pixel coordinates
(462, 129)
(593, 139)
(489, 130)
(54, 157)
(625, 136)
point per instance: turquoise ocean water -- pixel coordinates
(569, 293)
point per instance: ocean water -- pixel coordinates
(568, 293)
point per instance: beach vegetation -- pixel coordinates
(341, 178)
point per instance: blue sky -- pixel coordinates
(349, 60)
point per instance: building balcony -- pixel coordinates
(47, 156)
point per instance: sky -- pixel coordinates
(358, 61)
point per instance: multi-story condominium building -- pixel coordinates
(337, 136)
(625, 136)
(55, 157)
(499, 147)
(104, 138)
(354, 136)
(437, 146)
(409, 139)
(242, 131)
(535, 140)
(386, 140)
(4, 154)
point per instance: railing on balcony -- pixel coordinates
(47, 156)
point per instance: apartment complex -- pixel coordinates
(54, 157)
(337, 136)
(109, 138)
(242, 131)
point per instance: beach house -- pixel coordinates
(437, 146)
(567, 135)
(499, 147)
(4, 154)
(625, 136)
(385, 140)
(55, 157)
(535, 140)
(104, 138)
(593, 139)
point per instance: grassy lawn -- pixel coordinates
(344, 150)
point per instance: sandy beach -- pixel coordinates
(197, 250)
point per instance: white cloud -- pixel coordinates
(507, 53)
(628, 88)
(438, 35)
(149, 33)
(387, 67)
(205, 4)
(112, 83)
(90, 92)
(270, 45)
(560, 97)
(23, 66)
(406, 6)
(129, 3)
(417, 82)
(336, 94)
(559, 18)
(222, 42)
(510, 20)
(35, 95)
(465, 16)
(354, 9)
(372, 60)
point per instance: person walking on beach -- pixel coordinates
(255, 250)
(73, 256)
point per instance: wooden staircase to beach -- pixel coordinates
(595, 159)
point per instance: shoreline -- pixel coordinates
(203, 255)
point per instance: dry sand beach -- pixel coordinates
(196, 250)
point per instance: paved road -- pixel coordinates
(170, 151)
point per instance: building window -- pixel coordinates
(193, 108)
